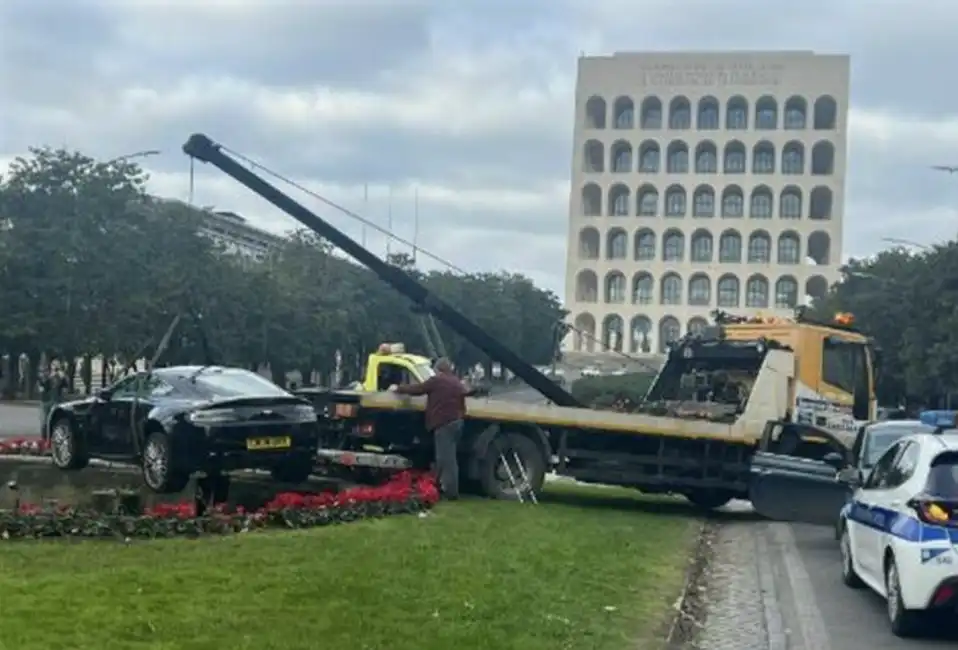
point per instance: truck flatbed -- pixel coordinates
(548, 416)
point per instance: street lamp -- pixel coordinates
(906, 242)
(146, 153)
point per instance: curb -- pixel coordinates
(688, 619)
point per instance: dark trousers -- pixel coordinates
(447, 464)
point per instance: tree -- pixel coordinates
(90, 265)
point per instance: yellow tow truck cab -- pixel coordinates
(391, 365)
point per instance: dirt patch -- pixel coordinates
(692, 607)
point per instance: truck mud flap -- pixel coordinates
(785, 488)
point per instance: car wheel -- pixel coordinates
(159, 474)
(293, 470)
(905, 623)
(849, 575)
(67, 447)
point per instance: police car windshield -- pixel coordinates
(943, 477)
(879, 437)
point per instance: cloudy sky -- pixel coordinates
(470, 102)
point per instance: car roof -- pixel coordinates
(894, 424)
(178, 372)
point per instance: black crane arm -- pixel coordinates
(202, 148)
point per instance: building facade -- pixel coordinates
(236, 236)
(701, 181)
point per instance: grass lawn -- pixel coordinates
(592, 569)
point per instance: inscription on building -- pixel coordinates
(671, 75)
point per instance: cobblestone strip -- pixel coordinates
(735, 618)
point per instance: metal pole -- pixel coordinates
(389, 222)
(415, 232)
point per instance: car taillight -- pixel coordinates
(945, 594)
(935, 512)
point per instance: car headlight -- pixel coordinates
(303, 413)
(212, 416)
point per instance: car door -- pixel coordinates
(115, 422)
(789, 488)
(869, 516)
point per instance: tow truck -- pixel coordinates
(746, 398)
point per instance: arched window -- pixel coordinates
(701, 246)
(617, 244)
(671, 293)
(733, 203)
(678, 162)
(766, 113)
(621, 157)
(651, 117)
(673, 246)
(796, 110)
(760, 204)
(736, 114)
(614, 287)
(618, 201)
(763, 158)
(595, 110)
(697, 325)
(669, 331)
(700, 290)
(789, 248)
(790, 203)
(706, 158)
(648, 203)
(786, 292)
(756, 292)
(644, 245)
(730, 247)
(642, 287)
(649, 157)
(728, 291)
(759, 248)
(612, 331)
(680, 114)
(675, 201)
(589, 244)
(591, 200)
(734, 158)
(793, 158)
(708, 117)
(641, 333)
(624, 113)
(703, 202)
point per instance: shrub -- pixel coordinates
(613, 391)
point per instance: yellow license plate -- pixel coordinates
(259, 444)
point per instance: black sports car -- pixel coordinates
(185, 419)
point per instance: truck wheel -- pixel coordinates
(493, 476)
(67, 446)
(293, 470)
(708, 499)
(159, 473)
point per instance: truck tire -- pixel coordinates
(494, 479)
(709, 499)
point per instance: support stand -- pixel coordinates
(520, 484)
(211, 490)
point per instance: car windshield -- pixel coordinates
(879, 438)
(232, 382)
(943, 477)
(424, 370)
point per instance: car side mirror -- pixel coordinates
(834, 459)
(104, 394)
(850, 476)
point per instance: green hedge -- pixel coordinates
(612, 391)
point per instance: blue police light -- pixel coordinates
(939, 419)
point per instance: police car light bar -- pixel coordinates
(939, 419)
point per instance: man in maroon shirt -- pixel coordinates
(445, 410)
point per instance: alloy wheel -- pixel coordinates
(61, 444)
(155, 463)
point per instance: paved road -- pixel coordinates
(16, 421)
(777, 586)
(854, 620)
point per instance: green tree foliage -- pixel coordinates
(906, 301)
(90, 264)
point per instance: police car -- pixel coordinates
(899, 529)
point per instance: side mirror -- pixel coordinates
(850, 476)
(104, 394)
(834, 459)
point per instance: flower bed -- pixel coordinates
(24, 447)
(407, 492)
